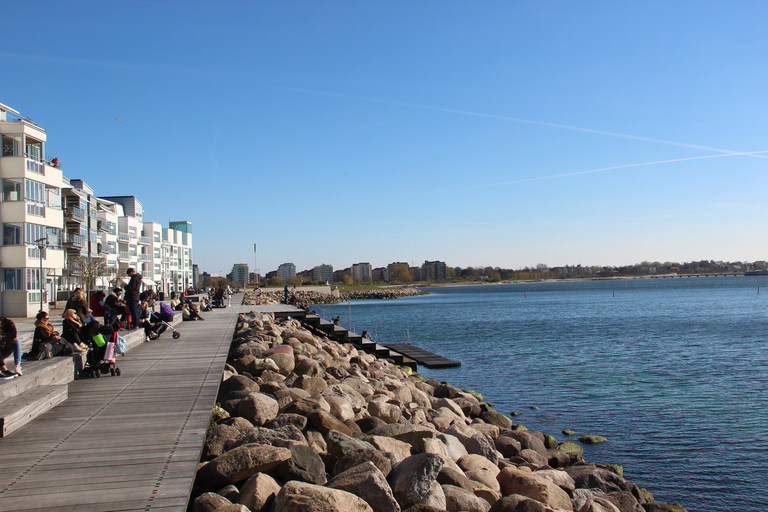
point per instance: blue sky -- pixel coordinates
(476, 133)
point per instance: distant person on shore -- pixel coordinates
(132, 292)
(9, 343)
(285, 294)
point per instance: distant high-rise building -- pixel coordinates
(286, 271)
(362, 272)
(433, 271)
(240, 274)
(323, 273)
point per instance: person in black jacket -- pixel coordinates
(132, 292)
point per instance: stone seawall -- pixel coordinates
(306, 424)
(314, 297)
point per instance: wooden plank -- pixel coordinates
(20, 410)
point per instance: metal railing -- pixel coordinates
(74, 240)
(74, 213)
(123, 237)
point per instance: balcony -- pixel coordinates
(108, 250)
(74, 213)
(73, 240)
(106, 226)
(123, 237)
(123, 256)
(145, 240)
(145, 257)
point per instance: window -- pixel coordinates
(12, 234)
(12, 279)
(33, 279)
(157, 236)
(35, 232)
(35, 191)
(11, 190)
(132, 231)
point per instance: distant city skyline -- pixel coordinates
(502, 134)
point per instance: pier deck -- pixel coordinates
(423, 357)
(128, 443)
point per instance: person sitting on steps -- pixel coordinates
(46, 341)
(71, 328)
(9, 342)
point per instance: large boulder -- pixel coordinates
(525, 483)
(298, 496)
(460, 500)
(304, 465)
(369, 483)
(257, 408)
(216, 438)
(239, 464)
(258, 492)
(412, 479)
(209, 502)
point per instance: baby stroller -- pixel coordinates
(102, 357)
(159, 326)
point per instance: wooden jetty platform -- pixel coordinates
(423, 357)
(130, 442)
(401, 353)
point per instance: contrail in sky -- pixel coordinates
(602, 169)
(526, 121)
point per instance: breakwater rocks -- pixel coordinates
(307, 424)
(313, 297)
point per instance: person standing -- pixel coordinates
(132, 292)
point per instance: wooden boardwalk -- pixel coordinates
(127, 443)
(423, 357)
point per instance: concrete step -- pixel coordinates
(20, 410)
(59, 370)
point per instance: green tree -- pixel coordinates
(347, 279)
(295, 280)
(275, 281)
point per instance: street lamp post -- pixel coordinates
(42, 243)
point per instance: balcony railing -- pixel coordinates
(106, 226)
(123, 237)
(74, 213)
(123, 256)
(108, 250)
(145, 240)
(74, 240)
(145, 257)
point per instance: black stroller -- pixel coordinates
(102, 356)
(159, 326)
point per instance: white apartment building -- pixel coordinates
(31, 254)
(57, 234)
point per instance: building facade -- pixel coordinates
(286, 271)
(31, 254)
(362, 273)
(58, 234)
(323, 273)
(434, 271)
(240, 274)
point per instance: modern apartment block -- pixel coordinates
(434, 271)
(362, 272)
(31, 255)
(58, 234)
(286, 271)
(323, 273)
(240, 274)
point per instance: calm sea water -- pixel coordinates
(674, 372)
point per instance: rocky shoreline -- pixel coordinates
(304, 423)
(313, 297)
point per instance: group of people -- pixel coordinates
(124, 308)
